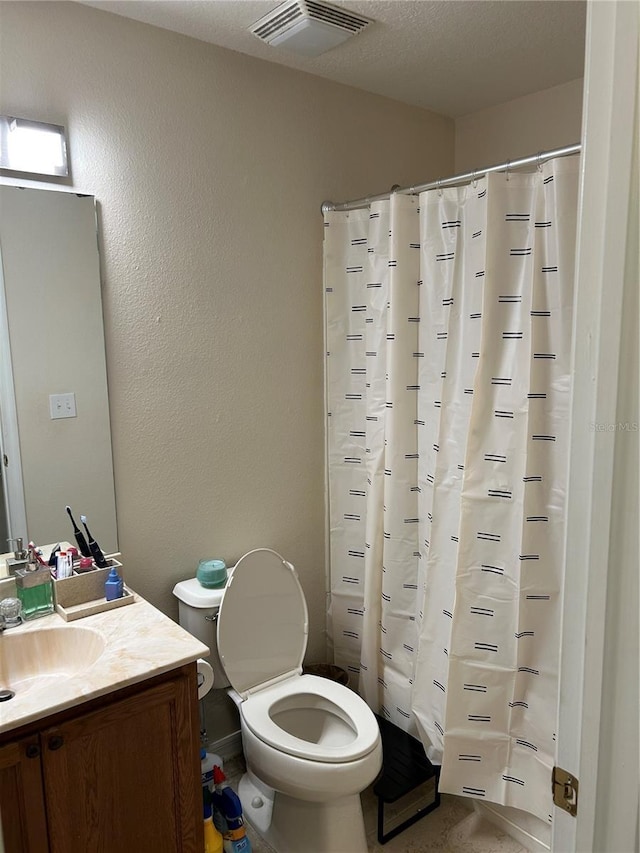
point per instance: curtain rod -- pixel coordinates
(536, 159)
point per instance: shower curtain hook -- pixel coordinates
(507, 169)
(474, 179)
(539, 161)
(439, 186)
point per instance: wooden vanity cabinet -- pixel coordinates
(22, 797)
(117, 775)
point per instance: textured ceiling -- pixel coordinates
(450, 56)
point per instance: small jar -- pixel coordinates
(212, 574)
(10, 612)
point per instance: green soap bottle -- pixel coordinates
(35, 591)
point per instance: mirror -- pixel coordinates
(54, 408)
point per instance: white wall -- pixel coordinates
(538, 122)
(209, 169)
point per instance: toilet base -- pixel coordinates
(290, 825)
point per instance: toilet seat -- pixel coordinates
(345, 727)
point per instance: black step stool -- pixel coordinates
(404, 767)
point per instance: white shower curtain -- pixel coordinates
(448, 329)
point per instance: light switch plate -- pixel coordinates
(62, 405)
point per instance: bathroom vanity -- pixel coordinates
(101, 751)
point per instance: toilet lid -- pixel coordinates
(262, 622)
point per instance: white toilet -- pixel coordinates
(310, 745)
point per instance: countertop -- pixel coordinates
(140, 642)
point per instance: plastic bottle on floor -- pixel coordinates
(213, 842)
(208, 760)
(228, 803)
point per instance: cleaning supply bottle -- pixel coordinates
(228, 803)
(219, 820)
(212, 839)
(208, 760)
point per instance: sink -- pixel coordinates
(41, 657)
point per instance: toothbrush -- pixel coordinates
(96, 553)
(37, 555)
(82, 542)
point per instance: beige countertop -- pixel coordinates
(130, 644)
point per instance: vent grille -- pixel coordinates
(283, 17)
(338, 17)
(277, 21)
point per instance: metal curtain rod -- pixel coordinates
(536, 159)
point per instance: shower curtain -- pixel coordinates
(448, 336)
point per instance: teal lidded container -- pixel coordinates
(212, 574)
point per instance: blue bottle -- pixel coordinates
(227, 802)
(113, 586)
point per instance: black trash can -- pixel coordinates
(327, 670)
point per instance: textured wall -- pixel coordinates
(209, 169)
(547, 119)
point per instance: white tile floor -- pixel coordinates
(451, 828)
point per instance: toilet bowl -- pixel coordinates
(306, 724)
(311, 745)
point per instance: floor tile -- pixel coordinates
(476, 835)
(430, 833)
(451, 828)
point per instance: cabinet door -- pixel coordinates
(22, 811)
(125, 778)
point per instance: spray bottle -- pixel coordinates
(228, 803)
(212, 839)
(208, 760)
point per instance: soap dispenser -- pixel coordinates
(20, 557)
(35, 590)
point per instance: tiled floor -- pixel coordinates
(451, 828)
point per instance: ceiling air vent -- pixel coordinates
(308, 27)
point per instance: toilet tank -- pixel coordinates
(198, 613)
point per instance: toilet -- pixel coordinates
(311, 745)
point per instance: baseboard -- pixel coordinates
(227, 747)
(496, 815)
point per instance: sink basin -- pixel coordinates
(39, 658)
